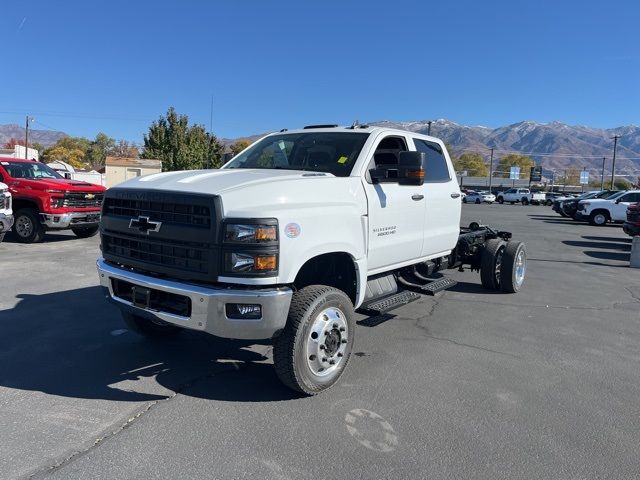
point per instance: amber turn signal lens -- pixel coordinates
(266, 262)
(415, 173)
(266, 233)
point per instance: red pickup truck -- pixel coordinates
(44, 200)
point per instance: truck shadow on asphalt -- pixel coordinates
(74, 344)
(48, 237)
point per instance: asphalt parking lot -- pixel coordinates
(544, 384)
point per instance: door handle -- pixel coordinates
(455, 195)
(417, 197)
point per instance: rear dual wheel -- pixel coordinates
(503, 265)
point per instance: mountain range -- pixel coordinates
(554, 145)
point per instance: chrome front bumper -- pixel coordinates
(6, 222)
(208, 312)
(67, 220)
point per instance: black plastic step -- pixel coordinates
(389, 303)
(436, 286)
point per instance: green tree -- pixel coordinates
(98, 150)
(513, 159)
(180, 146)
(473, 163)
(240, 145)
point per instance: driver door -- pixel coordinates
(396, 212)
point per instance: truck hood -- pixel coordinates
(216, 182)
(56, 184)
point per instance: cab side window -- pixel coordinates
(435, 167)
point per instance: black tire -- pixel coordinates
(511, 275)
(500, 200)
(525, 201)
(548, 203)
(512, 203)
(478, 201)
(27, 227)
(290, 351)
(85, 232)
(464, 200)
(563, 214)
(599, 218)
(491, 263)
(148, 328)
(2, 237)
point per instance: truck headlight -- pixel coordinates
(57, 202)
(246, 262)
(250, 233)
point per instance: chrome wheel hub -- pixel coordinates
(521, 267)
(600, 219)
(327, 341)
(23, 226)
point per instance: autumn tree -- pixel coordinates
(123, 148)
(473, 163)
(513, 159)
(180, 146)
(239, 145)
(12, 142)
(71, 150)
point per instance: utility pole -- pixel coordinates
(613, 167)
(429, 127)
(491, 171)
(553, 179)
(584, 169)
(602, 179)
(210, 130)
(26, 138)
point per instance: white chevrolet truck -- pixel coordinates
(286, 240)
(6, 212)
(521, 195)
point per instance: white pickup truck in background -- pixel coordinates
(521, 195)
(289, 237)
(600, 211)
(6, 212)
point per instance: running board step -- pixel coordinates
(439, 285)
(389, 303)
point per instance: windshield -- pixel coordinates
(616, 195)
(329, 152)
(30, 170)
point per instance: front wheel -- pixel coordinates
(464, 200)
(500, 200)
(2, 237)
(314, 348)
(27, 226)
(598, 219)
(85, 232)
(525, 201)
(513, 268)
(478, 201)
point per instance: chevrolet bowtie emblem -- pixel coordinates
(89, 196)
(145, 225)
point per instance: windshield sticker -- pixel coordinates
(342, 160)
(281, 145)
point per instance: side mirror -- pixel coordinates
(408, 171)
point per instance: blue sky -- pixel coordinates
(115, 65)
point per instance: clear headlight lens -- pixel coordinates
(246, 233)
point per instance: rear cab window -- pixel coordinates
(436, 168)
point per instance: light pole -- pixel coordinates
(602, 179)
(613, 167)
(429, 127)
(491, 171)
(26, 137)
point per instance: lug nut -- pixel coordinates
(321, 347)
(324, 359)
(332, 362)
(312, 357)
(344, 340)
(325, 318)
(342, 329)
(340, 354)
(326, 333)
(335, 325)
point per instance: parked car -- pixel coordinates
(44, 200)
(600, 211)
(521, 195)
(6, 212)
(480, 197)
(632, 225)
(570, 207)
